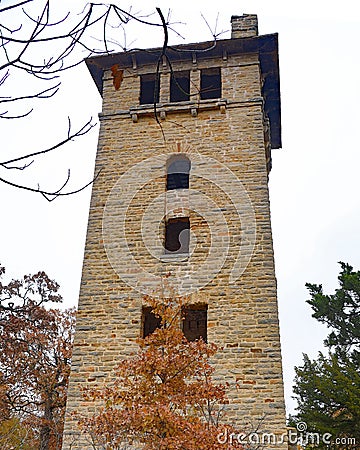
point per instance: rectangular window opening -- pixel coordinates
(210, 83)
(177, 235)
(177, 180)
(194, 322)
(180, 86)
(149, 321)
(178, 174)
(149, 89)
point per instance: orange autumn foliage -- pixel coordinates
(35, 358)
(117, 75)
(164, 396)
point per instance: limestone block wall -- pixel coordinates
(222, 140)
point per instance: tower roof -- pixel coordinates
(266, 46)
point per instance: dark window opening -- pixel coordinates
(194, 322)
(177, 235)
(178, 174)
(180, 86)
(149, 321)
(210, 83)
(149, 88)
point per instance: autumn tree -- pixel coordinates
(35, 356)
(164, 396)
(327, 389)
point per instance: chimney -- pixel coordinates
(244, 26)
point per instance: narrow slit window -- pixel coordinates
(149, 88)
(180, 86)
(178, 174)
(177, 235)
(150, 322)
(210, 83)
(194, 322)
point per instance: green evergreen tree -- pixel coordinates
(327, 389)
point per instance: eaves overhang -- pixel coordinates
(266, 46)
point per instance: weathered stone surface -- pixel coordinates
(242, 316)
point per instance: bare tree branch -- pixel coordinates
(70, 37)
(53, 195)
(3, 115)
(15, 6)
(46, 93)
(70, 136)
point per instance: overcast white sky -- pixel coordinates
(314, 183)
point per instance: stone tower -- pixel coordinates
(183, 189)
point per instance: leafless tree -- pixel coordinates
(38, 44)
(27, 32)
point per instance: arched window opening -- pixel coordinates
(178, 174)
